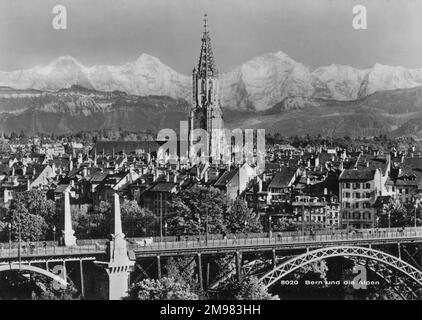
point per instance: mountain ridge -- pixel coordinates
(258, 84)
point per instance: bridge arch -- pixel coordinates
(26, 267)
(340, 251)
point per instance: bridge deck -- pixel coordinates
(51, 251)
(361, 238)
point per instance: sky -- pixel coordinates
(314, 32)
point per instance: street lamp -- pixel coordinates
(10, 237)
(161, 225)
(303, 218)
(165, 231)
(54, 238)
(206, 228)
(19, 235)
(199, 228)
(389, 220)
(269, 227)
(416, 208)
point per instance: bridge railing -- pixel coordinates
(322, 238)
(99, 246)
(34, 251)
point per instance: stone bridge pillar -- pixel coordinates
(118, 265)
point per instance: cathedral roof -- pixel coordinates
(206, 65)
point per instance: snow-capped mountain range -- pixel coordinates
(258, 84)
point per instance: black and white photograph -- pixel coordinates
(224, 151)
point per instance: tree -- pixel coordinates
(395, 215)
(96, 224)
(183, 270)
(282, 224)
(49, 293)
(32, 227)
(250, 288)
(34, 213)
(195, 208)
(136, 221)
(241, 219)
(163, 289)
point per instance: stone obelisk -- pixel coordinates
(68, 232)
(118, 265)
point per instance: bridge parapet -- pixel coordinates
(382, 236)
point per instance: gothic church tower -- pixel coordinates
(206, 113)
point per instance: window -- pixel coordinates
(356, 215)
(347, 185)
(368, 186)
(347, 204)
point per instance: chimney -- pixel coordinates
(325, 191)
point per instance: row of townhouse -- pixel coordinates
(367, 187)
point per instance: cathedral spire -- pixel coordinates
(205, 23)
(206, 65)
